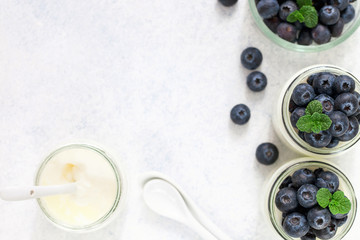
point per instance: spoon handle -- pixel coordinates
(200, 229)
(30, 192)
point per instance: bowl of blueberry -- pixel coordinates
(318, 111)
(306, 25)
(311, 199)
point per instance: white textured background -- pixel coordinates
(153, 81)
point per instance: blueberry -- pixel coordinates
(251, 58)
(339, 125)
(352, 130)
(318, 140)
(292, 106)
(329, 15)
(301, 135)
(302, 176)
(303, 94)
(347, 103)
(328, 232)
(327, 180)
(339, 216)
(287, 181)
(327, 102)
(306, 195)
(286, 8)
(318, 171)
(357, 95)
(318, 4)
(334, 142)
(268, 8)
(319, 218)
(324, 83)
(305, 37)
(285, 199)
(342, 221)
(228, 3)
(311, 78)
(340, 4)
(310, 235)
(272, 23)
(337, 29)
(287, 31)
(296, 225)
(321, 34)
(344, 84)
(240, 114)
(267, 153)
(256, 81)
(348, 14)
(296, 114)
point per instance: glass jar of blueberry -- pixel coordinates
(318, 111)
(310, 199)
(306, 25)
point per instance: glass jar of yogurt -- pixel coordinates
(281, 116)
(274, 215)
(101, 187)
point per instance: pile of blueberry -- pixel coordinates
(340, 102)
(302, 216)
(331, 17)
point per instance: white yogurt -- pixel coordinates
(97, 186)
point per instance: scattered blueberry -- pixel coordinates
(296, 114)
(347, 103)
(228, 3)
(327, 102)
(348, 14)
(344, 84)
(267, 153)
(329, 15)
(285, 199)
(251, 58)
(339, 125)
(352, 130)
(306, 195)
(240, 114)
(337, 29)
(256, 81)
(318, 140)
(328, 232)
(334, 142)
(268, 8)
(310, 235)
(327, 180)
(296, 225)
(287, 31)
(302, 176)
(324, 83)
(286, 8)
(303, 94)
(340, 4)
(305, 37)
(272, 23)
(321, 34)
(342, 221)
(319, 218)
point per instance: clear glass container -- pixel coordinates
(274, 216)
(281, 116)
(118, 201)
(349, 29)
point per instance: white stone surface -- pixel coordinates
(153, 82)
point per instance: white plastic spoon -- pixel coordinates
(164, 199)
(31, 192)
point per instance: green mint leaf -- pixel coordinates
(338, 195)
(305, 124)
(320, 121)
(323, 197)
(295, 16)
(310, 15)
(339, 204)
(313, 107)
(301, 3)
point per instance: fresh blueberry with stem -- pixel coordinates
(286, 8)
(310, 235)
(228, 3)
(267, 153)
(329, 15)
(318, 140)
(337, 29)
(352, 130)
(334, 142)
(296, 225)
(328, 232)
(340, 123)
(240, 114)
(272, 23)
(327, 102)
(302, 176)
(340, 4)
(348, 14)
(268, 8)
(319, 218)
(342, 221)
(327, 180)
(324, 83)
(306, 195)
(347, 103)
(321, 34)
(251, 58)
(303, 94)
(296, 114)
(287, 31)
(305, 37)
(256, 81)
(285, 200)
(344, 84)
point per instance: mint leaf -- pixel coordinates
(323, 197)
(339, 204)
(295, 16)
(301, 3)
(310, 15)
(313, 107)
(338, 195)
(305, 124)
(320, 121)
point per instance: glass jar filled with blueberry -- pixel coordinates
(318, 111)
(310, 199)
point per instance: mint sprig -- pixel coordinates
(337, 202)
(306, 14)
(314, 120)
